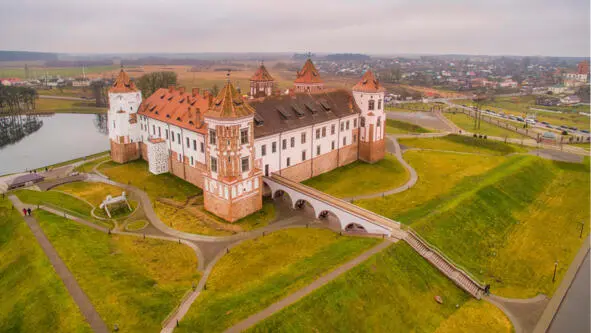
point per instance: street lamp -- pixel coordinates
(554, 276)
(582, 228)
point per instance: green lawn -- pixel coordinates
(89, 166)
(51, 105)
(392, 291)
(157, 186)
(95, 193)
(122, 275)
(461, 143)
(360, 178)
(508, 226)
(74, 160)
(136, 225)
(438, 173)
(401, 127)
(260, 272)
(466, 123)
(34, 299)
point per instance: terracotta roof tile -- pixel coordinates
(308, 74)
(229, 104)
(261, 74)
(123, 84)
(368, 84)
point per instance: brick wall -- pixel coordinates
(144, 151)
(325, 163)
(124, 152)
(232, 211)
(176, 167)
(195, 174)
(348, 154)
(372, 152)
(298, 172)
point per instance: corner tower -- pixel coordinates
(261, 83)
(124, 132)
(232, 183)
(369, 96)
(308, 79)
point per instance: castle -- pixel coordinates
(225, 144)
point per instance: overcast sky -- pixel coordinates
(494, 27)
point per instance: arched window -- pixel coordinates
(379, 121)
(371, 104)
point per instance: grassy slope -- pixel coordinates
(462, 143)
(94, 193)
(89, 166)
(476, 316)
(164, 185)
(467, 124)
(34, 298)
(259, 272)
(502, 219)
(360, 178)
(183, 220)
(391, 292)
(123, 276)
(438, 173)
(398, 127)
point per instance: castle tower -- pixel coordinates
(261, 83)
(369, 96)
(308, 79)
(124, 131)
(232, 186)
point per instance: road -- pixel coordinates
(573, 313)
(66, 98)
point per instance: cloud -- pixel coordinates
(525, 27)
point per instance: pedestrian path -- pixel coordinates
(83, 302)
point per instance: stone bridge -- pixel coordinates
(350, 218)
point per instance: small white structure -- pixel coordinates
(157, 155)
(114, 200)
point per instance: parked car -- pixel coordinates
(545, 123)
(563, 126)
(519, 119)
(530, 121)
(585, 131)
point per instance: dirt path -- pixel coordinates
(83, 302)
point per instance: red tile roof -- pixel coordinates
(308, 74)
(176, 107)
(368, 84)
(229, 104)
(261, 74)
(123, 84)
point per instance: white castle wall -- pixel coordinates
(362, 99)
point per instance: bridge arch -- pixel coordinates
(355, 227)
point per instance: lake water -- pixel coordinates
(37, 141)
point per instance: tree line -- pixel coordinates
(17, 99)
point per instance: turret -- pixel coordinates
(369, 96)
(124, 131)
(308, 79)
(232, 183)
(261, 83)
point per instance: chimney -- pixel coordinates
(291, 93)
(195, 92)
(170, 88)
(182, 90)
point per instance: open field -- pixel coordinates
(61, 201)
(401, 127)
(466, 123)
(49, 105)
(360, 178)
(40, 71)
(259, 272)
(391, 292)
(34, 298)
(462, 143)
(497, 225)
(123, 275)
(438, 173)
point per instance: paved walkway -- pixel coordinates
(83, 302)
(523, 313)
(296, 296)
(394, 148)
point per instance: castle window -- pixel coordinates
(332, 145)
(288, 161)
(371, 104)
(292, 142)
(354, 138)
(178, 136)
(154, 129)
(172, 135)
(113, 123)
(362, 122)
(344, 141)
(318, 133)
(244, 136)
(355, 123)
(303, 140)
(166, 133)
(284, 144)
(188, 142)
(332, 129)
(323, 132)
(212, 137)
(317, 150)
(245, 164)
(347, 124)
(202, 147)
(214, 164)
(379, 121)
(379, 104)
(159, 133)
(191, 160)
(263, 150)
(342, 126)
(303, 155)
(195, 145)
(273, 147)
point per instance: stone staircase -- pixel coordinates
(457, 275)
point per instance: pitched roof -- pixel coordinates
(308, 74)
(276, 114)
(176, 107)
(261, 74)
(368, 84)
(229, 104)
(123, 84)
